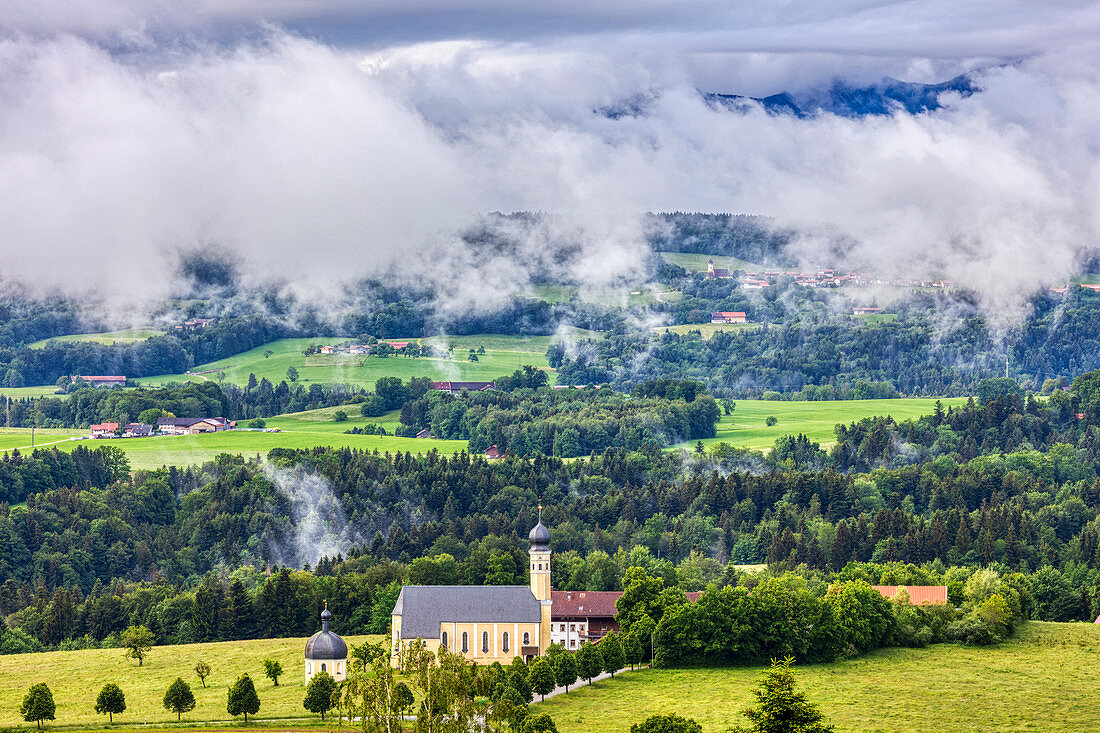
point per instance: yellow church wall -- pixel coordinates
(338, 668)
(475, 635)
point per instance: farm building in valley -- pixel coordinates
(191, 425)
(104, 430)
(716, 272)
(865, 311)
(919, 595)
(728, 317)
(457, 387)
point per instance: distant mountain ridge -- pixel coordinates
(838, 98)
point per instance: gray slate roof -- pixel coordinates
(326, 645)
(423, 608)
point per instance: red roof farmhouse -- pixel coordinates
(728, 317)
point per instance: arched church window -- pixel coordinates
(465, 642)
(444, 642)
(323, 668)
(485, 642)
(504, 642)
(526, 639)
(540, 566)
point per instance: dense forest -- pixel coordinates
(1060, 340)
(78, 530)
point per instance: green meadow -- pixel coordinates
(75, 679)
(1042, 680)
(698, 262)
(18, 393)
(746, 427)
(707, 330)
(124, 336)
(503, 355)
(11, 438)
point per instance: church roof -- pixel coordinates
(326, 645)
(423, 608)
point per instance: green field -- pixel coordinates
(1043, 680)
(707, 329)
(876, 317)
(75, 679)
(745, 428)
(504, 354)
(21, 438)
(299, 430)
(18, 393)
(124, 336)
(698, 262)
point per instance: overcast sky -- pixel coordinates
(317, 139)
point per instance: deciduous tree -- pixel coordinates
(242, 698)
(110, 701)
(179, 698)
(38, 704)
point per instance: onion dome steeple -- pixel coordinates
(540, 535)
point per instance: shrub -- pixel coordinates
(771, 420)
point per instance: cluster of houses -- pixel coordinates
(194, 324)
(164, 426)
(360, 349)
(825, 278)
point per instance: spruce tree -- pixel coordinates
(780, 708)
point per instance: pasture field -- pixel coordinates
(18, 393)
(876, 317)
(11, 438)
(363, 371)
(124, 336)
(698, 262)
(298, 430)
(1039, 680)
(745, 428)
(75, 679)
(707, 329)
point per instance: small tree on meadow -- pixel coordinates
(538, 723)
(401, 699)
(319, 693)
(542, 677)
(565, 670)
(202, 669)
(633, 651)
(292, 374)
(38, 704)
(780, 708)
(666, 724)
(179, 698)
(611, 648)
(273, 670)
(242, 698)
(110, 701)
(589, 661)
(138, 640)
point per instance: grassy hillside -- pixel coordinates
(76, 678)
(707, 329)
(21, 437)
(504, 354)
(745, 428)
(108, 337)
(698, 262)
(1041, 680)
(18, 393)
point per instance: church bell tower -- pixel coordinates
(540, 577)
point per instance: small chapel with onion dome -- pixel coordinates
(326, 651)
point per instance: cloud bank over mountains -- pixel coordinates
(324, 141)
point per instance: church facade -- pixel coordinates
(485, 624)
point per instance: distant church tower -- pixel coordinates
(326, 651)
(540, 577)
(710, 268)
